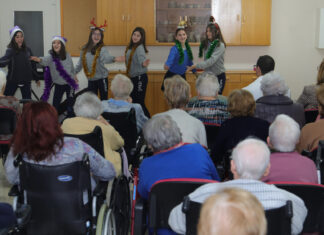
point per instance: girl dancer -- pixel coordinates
(213, 48)
(93, 58)
(21, 71)
(60, 71)
(136, 66)
(180, 56)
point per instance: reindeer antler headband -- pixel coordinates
(101, 27)
(213, 21)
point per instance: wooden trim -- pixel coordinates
(61, 11)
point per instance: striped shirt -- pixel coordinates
(210, 112)
(269, 195)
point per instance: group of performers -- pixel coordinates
(61, 72)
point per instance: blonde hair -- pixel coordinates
(177, 91)
(232, 211)
(241, 103)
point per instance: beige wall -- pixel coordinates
(293, 39)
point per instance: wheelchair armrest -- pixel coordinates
(14, 191)
(101, 189)
(140, 217)
(23, 214)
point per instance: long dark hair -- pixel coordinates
(12, 44)
(216, 34)
(141, 41)
(61, 54)
(89, 45)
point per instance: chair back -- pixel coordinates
(313, 197)
(125, 124)
(165, 195)
(317, 156)
(192, 212)
(8, 119)
(278, 219)
(310, 115)
(56, 196)
(94, 139)
(211, 133)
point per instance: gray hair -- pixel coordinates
(284, 133)
(207, 84)
(121, 86)
(161, 132)
(251, 158)
(88, 105)
(2, 79)
(273, 84)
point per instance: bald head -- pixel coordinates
(250, 159)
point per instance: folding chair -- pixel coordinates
(278, 219)
(313, 197)
(164, 196)
(125, 124)
(317, 156)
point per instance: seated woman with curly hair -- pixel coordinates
(241, 106)
(39, 138)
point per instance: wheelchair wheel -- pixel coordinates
(120, 203)
(106, 224)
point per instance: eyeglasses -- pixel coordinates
(96, 34)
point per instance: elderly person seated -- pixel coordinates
(274, 101)
(208, 106)
(88, 109)
(250, 161)
(172, 158)
(177, 94)
(286, 164)
(308, 97)
(232, 211)
(121, 87)
(313, 132)
(242, 124)
(39, 139)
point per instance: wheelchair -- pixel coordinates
(61, 199)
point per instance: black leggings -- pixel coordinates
(221, 79)
(100, 86)
(11, 88)
(139, 91)
(58, 94)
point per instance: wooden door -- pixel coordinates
(228, 15)
(116, 13)
(75, 23)
(256, 22)
(142, 14)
